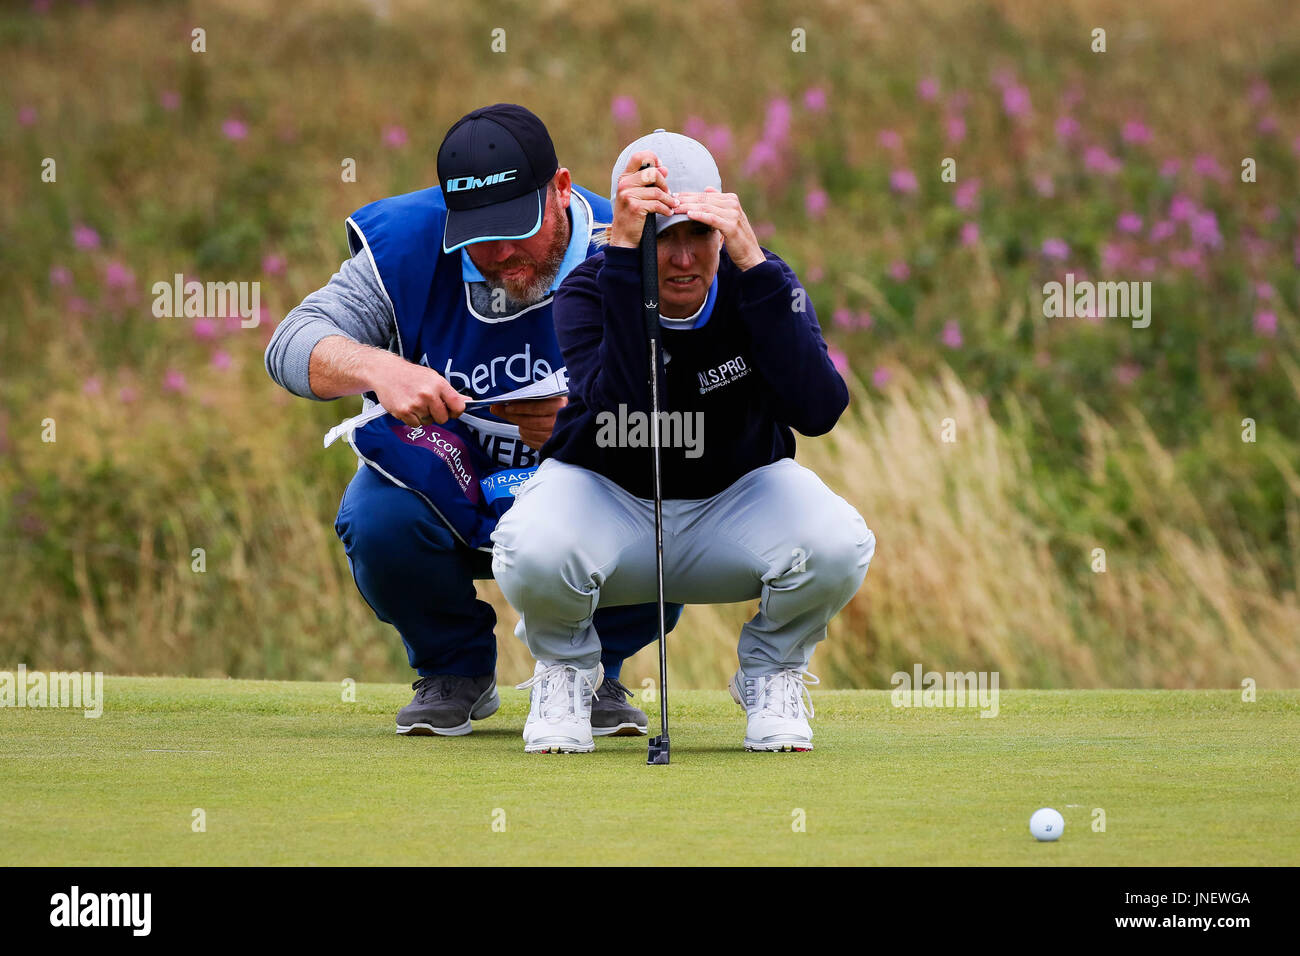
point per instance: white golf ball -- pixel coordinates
(1046, 824)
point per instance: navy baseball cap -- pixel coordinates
(493, 165)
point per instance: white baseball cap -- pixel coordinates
(690, 166)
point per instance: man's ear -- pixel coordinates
(563, 186)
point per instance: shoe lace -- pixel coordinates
(557, 691)
(434, 687)
(611, 689)
(786, 693)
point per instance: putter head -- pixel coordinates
(658, 751)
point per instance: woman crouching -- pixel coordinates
(744, 364)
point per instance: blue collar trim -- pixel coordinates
(701, 317)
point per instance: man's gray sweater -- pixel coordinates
(352, 304)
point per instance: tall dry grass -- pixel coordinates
(972, 569)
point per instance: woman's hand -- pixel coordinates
(640, 192)
(723, 212)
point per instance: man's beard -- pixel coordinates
(533, 290)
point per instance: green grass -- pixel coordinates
(287, 773)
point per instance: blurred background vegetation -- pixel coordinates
(1072, 434)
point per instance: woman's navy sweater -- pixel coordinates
(733, 387)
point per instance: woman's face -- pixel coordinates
(688, 261)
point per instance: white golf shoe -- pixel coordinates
(778, 706)
(559, 712)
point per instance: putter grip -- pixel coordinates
(650, 274)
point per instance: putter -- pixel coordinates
(658, 749)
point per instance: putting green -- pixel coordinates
(288, 773)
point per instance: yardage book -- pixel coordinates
(557, 383)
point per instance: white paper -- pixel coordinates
(557, 383)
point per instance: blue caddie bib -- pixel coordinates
(469, 469)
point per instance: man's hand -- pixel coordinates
(415, 394)
(536, 419)
(723, 212)
(640, 192)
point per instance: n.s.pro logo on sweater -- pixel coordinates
(465, 183)
(724, 374)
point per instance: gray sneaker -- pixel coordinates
(445, 704)
(612, 715)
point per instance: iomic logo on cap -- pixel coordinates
(463, 183)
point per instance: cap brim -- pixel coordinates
(662, 222)
(513, 219)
